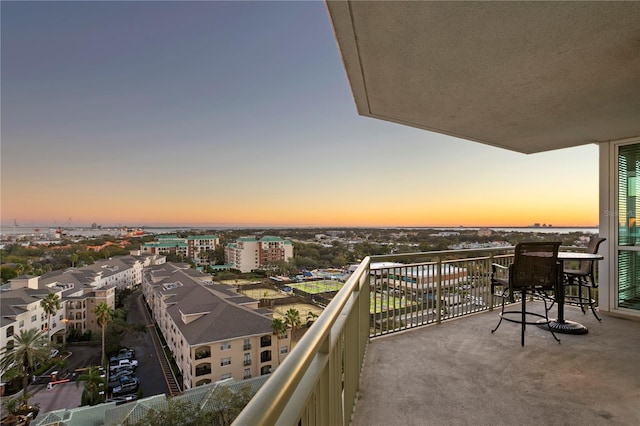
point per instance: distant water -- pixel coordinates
(46, 232)
(548, 230)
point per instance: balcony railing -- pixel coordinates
(318, 381)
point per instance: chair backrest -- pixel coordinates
(586, 266)
(594, 244)
(535, 265)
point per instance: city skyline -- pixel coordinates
(237, 114)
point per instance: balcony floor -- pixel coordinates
(458, 373)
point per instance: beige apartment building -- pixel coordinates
(20, 310)
(196, 247)
(249, 253)
(213, 332)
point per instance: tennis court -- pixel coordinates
(317, 287)
(239, 282)
(381, 303)
(262, 293)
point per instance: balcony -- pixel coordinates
(431, 358)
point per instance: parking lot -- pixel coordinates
(149, 372)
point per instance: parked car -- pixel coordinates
(54, 353)
(120, 363)
(127, 353)
(121, 372)
(126, 386)
(122, 399)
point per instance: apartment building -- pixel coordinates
(21, 310)
(166, 244)
(196, 247)
(249, 253)
(80, 291)
(213, 332)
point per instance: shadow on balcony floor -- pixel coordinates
(458, 373)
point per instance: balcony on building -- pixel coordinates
(528, 77)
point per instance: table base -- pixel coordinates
(566, 327)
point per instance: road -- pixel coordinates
(152, 369)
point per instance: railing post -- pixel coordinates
(491, 260)
(439, 290)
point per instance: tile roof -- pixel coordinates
(222, 318)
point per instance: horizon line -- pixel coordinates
(543, 226)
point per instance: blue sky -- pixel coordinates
(236, 113)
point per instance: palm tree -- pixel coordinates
(50, 304)
(94, 383)
(292, 319)
(29, 349)
(104, 314)
(279, 327)
(311, 318)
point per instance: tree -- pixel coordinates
(104, 314)
(29, 349)
(311, 318)
(279, 327)
(74, 258)
(292, 319)
(51, 304)
(229, 404)
(175, 413)
(218, 255)
(94, 383)
(221, 410)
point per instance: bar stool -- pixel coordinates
(583, 277)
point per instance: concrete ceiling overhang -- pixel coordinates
(525, 76)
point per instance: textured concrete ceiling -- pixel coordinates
(525, 76)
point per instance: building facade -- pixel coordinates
(199, 248)
(213, 332)
(249, 253)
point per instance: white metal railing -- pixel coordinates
(318, 382)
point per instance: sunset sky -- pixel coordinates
(237, 114)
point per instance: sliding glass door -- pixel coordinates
(628, 238)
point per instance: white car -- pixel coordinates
(54, 353)
(117, 364)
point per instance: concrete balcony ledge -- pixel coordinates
(459, 373)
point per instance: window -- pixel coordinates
(10, 331)
(203, 369)
(21, 323)
(247, 373)
(247, 359)
(284, 349)
(225, 376)
(247, 344)
(203, 352)
(265, 370)
(34, 318)
(265, 341)
(225, 346)
(628, 228)
(225, 361)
